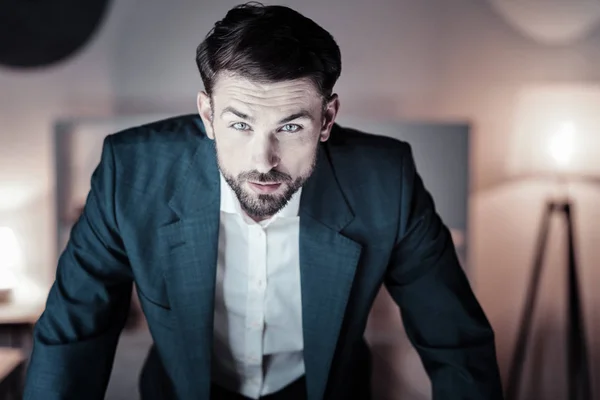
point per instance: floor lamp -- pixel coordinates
(556, 136)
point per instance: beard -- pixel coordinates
(261, 206)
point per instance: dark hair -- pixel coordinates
(269, 44)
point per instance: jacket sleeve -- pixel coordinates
(441, 315)
(76, 336)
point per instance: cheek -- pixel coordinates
(297, 159)
(231, 154)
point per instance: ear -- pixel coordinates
(206, 113)
(330, 113)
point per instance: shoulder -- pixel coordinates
(160, 142)
(146, 155)
(174, 133)
(364, 152)
(371, 172)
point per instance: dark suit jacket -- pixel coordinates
(152, 218)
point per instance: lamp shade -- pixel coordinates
(551, 22)
(556, 132)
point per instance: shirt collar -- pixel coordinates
(231, 205)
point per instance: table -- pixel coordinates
(17, 319)
(17, 322)
(19, 315)
(12, 362)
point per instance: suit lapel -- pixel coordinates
(328, 262)
(190, 275)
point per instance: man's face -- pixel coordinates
(266, 137)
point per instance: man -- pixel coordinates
(257, 236)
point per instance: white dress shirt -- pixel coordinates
(258, 343)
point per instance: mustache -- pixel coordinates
(271, 176)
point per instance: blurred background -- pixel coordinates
(499, 99)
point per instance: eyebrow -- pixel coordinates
(239, 114)
(300, 114)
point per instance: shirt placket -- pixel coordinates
(255, 312)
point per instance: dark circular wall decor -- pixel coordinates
(38, 33)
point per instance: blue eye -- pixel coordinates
(240, 126)
(291, 128)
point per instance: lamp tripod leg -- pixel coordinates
(518, 360)
(579, 385)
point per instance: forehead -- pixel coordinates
(234, 90)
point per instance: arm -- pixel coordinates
(76, 336)
(441, 315)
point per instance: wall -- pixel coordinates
(30, 103)
(427, 59)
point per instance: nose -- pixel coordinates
(264, 154)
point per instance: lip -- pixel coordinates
(264, 188)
